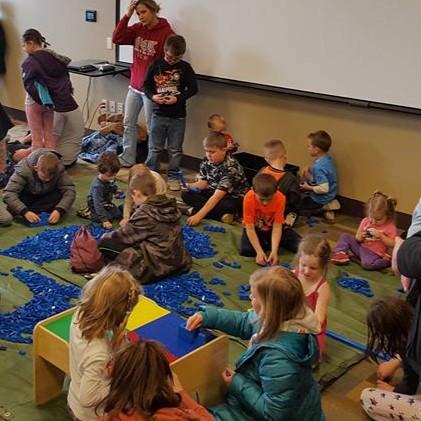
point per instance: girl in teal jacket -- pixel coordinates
(273, 379)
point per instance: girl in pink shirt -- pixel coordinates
(375, 236)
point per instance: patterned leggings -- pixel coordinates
(382, 405)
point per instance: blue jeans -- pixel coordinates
(167, 130)
(133, 105)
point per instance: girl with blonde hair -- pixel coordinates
(375, 237)
(273, 378)
(96, 331)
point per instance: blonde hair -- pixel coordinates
(48, 163)
(138, 169)
(282, 298)
(379, 202)
(212, 118)
(315, 245)
(145, 184)
(275, 147)
(106, 302)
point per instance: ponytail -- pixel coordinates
(35, 36)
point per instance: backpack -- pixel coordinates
(84, 253)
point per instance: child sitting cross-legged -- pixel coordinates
(151, 244)
(222, 184)
(143, 387)
(375, 236)
(312, 263)
(96, 332)
(40, 183)
(101, 208)
(263, 218)
(273, 379)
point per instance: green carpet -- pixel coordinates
(346, 311)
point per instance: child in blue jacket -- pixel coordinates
(273, 379)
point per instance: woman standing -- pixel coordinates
(147, 37)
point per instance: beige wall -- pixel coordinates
(373, 149)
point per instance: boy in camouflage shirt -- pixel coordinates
(221, 186)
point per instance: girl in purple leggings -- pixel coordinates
(375, 236)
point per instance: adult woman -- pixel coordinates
(147, 37)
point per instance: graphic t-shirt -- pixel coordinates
(171, 79)
(375, 245)
(263, 216)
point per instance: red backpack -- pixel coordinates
(84, 253)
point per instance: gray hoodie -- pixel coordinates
(26, 179)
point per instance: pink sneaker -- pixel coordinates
(340, 258)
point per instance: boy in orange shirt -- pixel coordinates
(263, 219)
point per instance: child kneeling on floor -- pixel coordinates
(263, 219)
(375, 236)
(143, 387)
(151, 244)
(96, 332)
(273, 379)
(222, 184)
(40, 183)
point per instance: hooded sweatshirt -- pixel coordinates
(48, 67)
(148, 45)
(25, 178)
(273, 379)
(154, 238)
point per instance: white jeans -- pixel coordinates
(133, 105)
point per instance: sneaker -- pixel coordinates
(227, 218)
(84, 213)
(174, 185)
(290, 219)
(329, 216)
(340, 258)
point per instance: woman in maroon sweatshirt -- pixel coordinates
(147, 37)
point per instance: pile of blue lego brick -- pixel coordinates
(357, 285)
(199, 245)
(49, 245)
(49, 298)
(175, 293)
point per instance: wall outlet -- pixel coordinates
(109, 43)
(111, 106)
(120, 108)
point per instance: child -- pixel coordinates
(151, 244)
(141, 169)
(143, 387)
(263, 216)
(222, 184)
(40, 184)
(375, 236)
(45, 72)
(216, 123)
(273, 378)
(96, 330)
(169, 83)
(100, 197)
(389, 320)
(313, 259)
(276, 157)
(319, 181)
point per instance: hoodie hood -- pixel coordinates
(50, 62)
(162, 208)
(64, 59)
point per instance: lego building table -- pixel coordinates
(198, 366)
